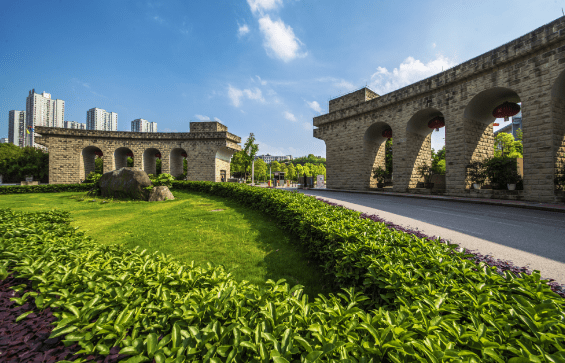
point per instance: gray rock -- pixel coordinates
(160, 193)
(125, 183)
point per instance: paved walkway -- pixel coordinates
(553, 207)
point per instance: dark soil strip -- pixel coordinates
(501, 265)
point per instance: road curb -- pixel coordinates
(496, 202)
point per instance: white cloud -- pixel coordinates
(410, 71)
(433, 45)
(289, 116)
(344, 86)
(158, 19)
(202, 118)
(264, 83)
(308, 126)
(315, 106)
(258, 6)
(217, 119)
(280, 40)
(236, 94)
(243, 29)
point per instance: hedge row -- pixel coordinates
(430, 304)
(45, 188)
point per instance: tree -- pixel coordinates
(249, 151)
(438, 161)
(237, 164)
(98, 165)
(505, 145)
(291, 172)
(260, 169)
(299, 171)
(16, 163)
(275, 166)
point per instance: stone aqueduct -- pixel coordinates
(530, 70)
(208, 148)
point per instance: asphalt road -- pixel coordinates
(526, 237)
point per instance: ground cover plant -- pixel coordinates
(193, 227)
(421, 301)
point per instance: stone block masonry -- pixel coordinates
(530, 70)
(208, 148)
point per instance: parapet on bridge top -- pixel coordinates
(198, 130)
(365, 100)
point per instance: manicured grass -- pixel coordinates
(246, 242)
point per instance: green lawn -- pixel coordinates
(245, 241)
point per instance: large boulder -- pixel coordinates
(160, 193)
(125, 183)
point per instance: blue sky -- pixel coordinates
(261, 66)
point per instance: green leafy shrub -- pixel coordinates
(45, 188)
(405, 299)
(502, 170)
(93, 177)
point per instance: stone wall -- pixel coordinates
(529, 70)
(71, 151)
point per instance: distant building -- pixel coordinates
(100, 119)
(41, 110)
(142, 125)
(75, 125)
(16, 127)
(270, 158)
(4, 140)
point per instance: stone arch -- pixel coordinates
(558, 118)
(87, 161)
(374, 151)
(478, 143)
(419, 143)
(149, 160)
(121, 157)
(176, 160)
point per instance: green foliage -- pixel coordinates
(158, 166)
(45, 188)
(502, 171)
(275, 166)
(426, 171)
(311, 159)
(248, 154)
(438, 161)
(505, 145)
(16, 163)
(380, 174)
(99, 165)
(93, 177)
(130, 162)
(427, 301)
(237, 164)
(164, 179)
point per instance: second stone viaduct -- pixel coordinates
(208, 148)
(530, 70)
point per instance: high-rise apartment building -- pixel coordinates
(3, 140)
(75, 125)
(41, 110)
(99, 119)
(16, 127)
(141, 125)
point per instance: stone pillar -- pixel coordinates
(138, 158)
(418, 152)
(539, 147)
(402, 164)
(165, 160)
(109, 162)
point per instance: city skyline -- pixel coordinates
(259, 66)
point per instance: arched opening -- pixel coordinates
(122, 156)
(558, 117)
(89, 163)
(152, 161)
(178, 162)
(427, 171)
(480, 147)
(378, 169)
